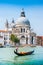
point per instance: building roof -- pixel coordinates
(3, 31)
(40, 37)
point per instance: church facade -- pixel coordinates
(22, 29)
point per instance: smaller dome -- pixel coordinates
(13, 24)
(7, 24)
(12, 20)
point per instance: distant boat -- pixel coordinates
(1, 46)
(33, 46)
(23, 53)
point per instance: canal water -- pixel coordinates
(7, 56)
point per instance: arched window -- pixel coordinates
(22, 30)
(22, 36)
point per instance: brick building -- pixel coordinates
(40, 40)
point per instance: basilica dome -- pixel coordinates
(22, 19)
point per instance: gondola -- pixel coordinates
(23, 53)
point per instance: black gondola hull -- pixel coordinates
(27, 53)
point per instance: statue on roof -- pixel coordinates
(13, 20)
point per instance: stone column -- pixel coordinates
(29, 39)
(26, 39)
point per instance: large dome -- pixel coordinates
(22, 20)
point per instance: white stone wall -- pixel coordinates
(2, 38)
(34, 40)
(2, 41)
(19, 34)
(29, 37)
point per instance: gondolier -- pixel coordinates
(16, 49)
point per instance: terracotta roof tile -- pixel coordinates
(1, 36)
(3, 31)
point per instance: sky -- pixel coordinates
(10, 9)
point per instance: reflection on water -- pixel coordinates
(7, 56)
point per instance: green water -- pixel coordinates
(7, 56)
